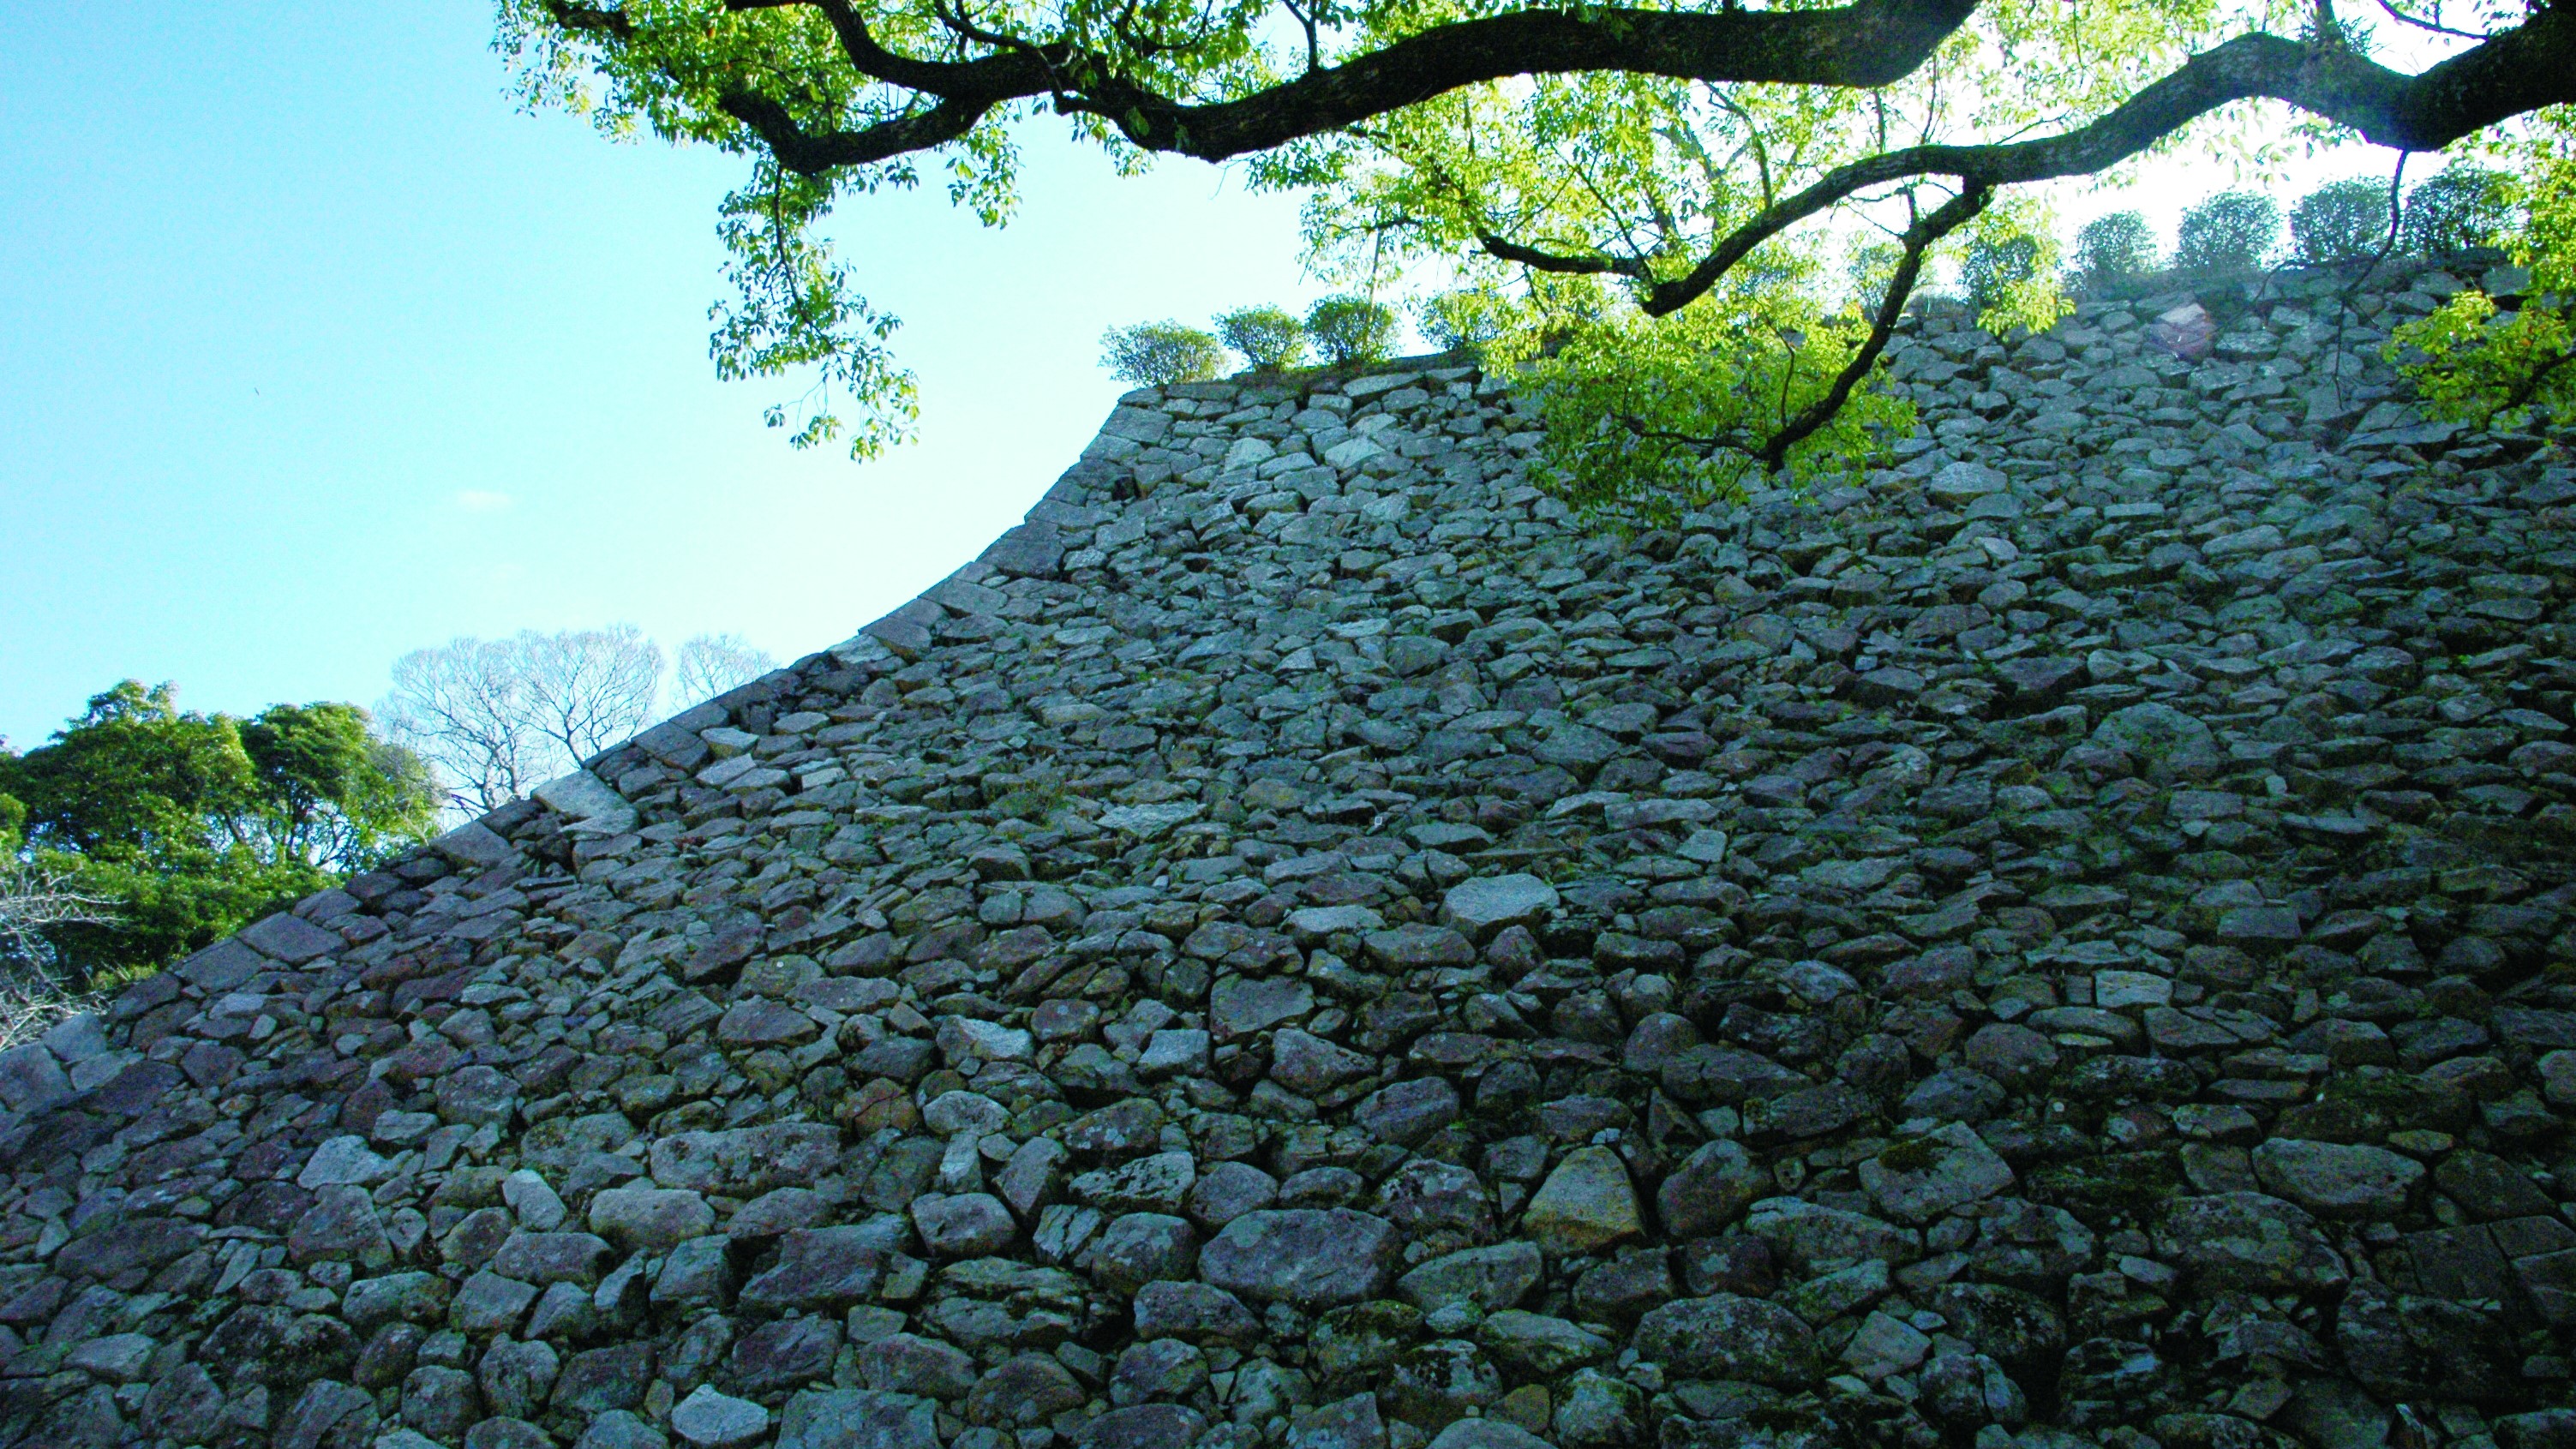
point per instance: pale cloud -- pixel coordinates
(483, 500)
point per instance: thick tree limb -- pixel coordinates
(1864, 44)
(804, 155)
(590, 17)
(1507, 250)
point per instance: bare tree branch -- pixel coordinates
(588, 689)
(498, 717)
(2435, 26)
(35, 898)
(710, 664)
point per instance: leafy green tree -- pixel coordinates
(2465, 205)
(2114, 248)
(1351, 329)
(1270, 338)
(2233, 231)
(326, 790)
(1867, 266)
(1992, 269)
(1467, 319)
(1153, 354)
(1678, 160)
(2477, 361)
(2340, 221)
(191, 824)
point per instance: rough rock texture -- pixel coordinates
(1300, 945)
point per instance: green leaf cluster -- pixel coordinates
(790, 306)
(2233, 231)
(1157, 354)
(1644, 418)
(2340, 221)
(1270, 338)
(2503, 361)
(192, 825)
(2114, 248)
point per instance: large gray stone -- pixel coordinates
(2338, 1179)
(1587, 1203)
(1313, 1258)
(1728, 1336)
(1486, 904)
(857, 1419)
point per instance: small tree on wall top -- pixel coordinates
(1155, 354)
(1270, 338)
(1351, 329)
(2114, 248)
(2233, 231)
(2340, 221)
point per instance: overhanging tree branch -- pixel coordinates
(1507, 250)
(1957, 212)
(1865, 44)
(2518, 71)
(1176, 85)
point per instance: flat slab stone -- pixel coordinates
(1313, 1258)
(1486, 904)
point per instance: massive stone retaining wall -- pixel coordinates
(1303, 945)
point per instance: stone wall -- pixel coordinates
(1302, 944)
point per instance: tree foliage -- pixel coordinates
(179, 826)
(2010, 272)
(1270, 338)
(1153, 354)
(1351, 329)
(1464, 319)
(1668, 160)
(2487, 359)
(2340, 221)
(2113, 249)
(2466, 205)
(2233, 231)
(1993, 267)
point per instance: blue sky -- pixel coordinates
(314, 349)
